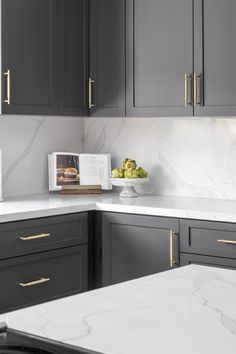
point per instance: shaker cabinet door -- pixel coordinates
(107, 58)
(159, 63)
(29, 56)
(135, 246)
(215, 57)
(73, 57)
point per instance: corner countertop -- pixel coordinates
(44, 205)
(187, 310)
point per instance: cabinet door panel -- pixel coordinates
(107, 57)
(64, 271)
(215, 56)
(73, 57)
(209, 238)
(186, 259)
(159, 53)
(135, 246)
(29, 51)
(38, 235)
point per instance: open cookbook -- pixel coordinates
(66, 169)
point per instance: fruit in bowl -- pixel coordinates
(117, 173)
(128, 176)
(129, 170)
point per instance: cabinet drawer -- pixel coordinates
(36, 235)
(37, 278)
(209, 238)
(186, 259)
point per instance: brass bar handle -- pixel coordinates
(187, 77)
(185, 89)
(196, 77)
(34, 237)
(227, 242)
(172, 260)
(8, 75)
(194, 89)
(35, 282)
(91, 82)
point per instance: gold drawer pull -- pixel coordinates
(172, 260)
(35, 237)
(187, 77)
(8, 76)
(90, 103)
(196, 78)
(228, 242)
(35, 282)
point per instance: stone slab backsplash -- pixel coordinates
(26, 141)
(184, 156)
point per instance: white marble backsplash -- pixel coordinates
(26, 141)
(184, 156)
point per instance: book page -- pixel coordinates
(95, 169)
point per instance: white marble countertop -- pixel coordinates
(13, 209)
(187, 310)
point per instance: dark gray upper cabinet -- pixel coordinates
(215, 57)
(73, 57)
(107, 57)
(119, 57)
(134, 246)
(45, 57)
(159, 50)
(29, 56)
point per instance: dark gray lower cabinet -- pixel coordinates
(134, 246)
(42, 277)
(45, 258)
(208, 243)
(37, 235)
(186, 259)
(208, 238)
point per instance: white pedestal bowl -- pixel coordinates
(128, 185)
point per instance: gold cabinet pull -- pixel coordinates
(34, 237)
(227, 242)
(35, 282)
(185, 90)
(196, 77)
(187, 77)
(91, 82)
(194, 89)
(8, 76)
(172, 260)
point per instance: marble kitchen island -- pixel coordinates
(187, 310)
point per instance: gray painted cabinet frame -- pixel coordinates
(136, 245)
(215, 57)
(159, 53)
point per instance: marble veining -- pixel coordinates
(187, 310)
(25, 152)
(190, 157)
(26, 141)
(44, 205)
